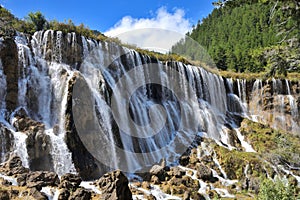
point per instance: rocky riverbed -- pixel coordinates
(206, 171)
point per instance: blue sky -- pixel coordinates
(108, 15)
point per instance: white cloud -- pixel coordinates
(159, 32)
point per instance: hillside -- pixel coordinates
(250, 36)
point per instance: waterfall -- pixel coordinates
(2, 91)
(20, 147)
(142, 109)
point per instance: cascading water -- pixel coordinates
(128, 92)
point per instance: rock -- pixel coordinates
(70, 182)
(24, 124)
(13, 166)
(233, 139)
(190, 183)
(203, 172)
(177, 172)
(4, 195)
(41, 179)
(151, 197)
(85, 163)
(39, 151)
(64, 194)
(146, 185)
(9, 58)
(212, 194)
(21, 179)
(4, 182)
(81, 194)
(38, 143)
(184, 160)
(6, 141)
(158, 171)
(252, 184)
(36, 194)
(155, 180)
(186, 195)
(198, 196)
(114, 185)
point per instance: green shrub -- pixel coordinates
(276, 190)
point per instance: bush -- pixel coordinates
(276, 190)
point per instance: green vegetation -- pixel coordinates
(250, 36)
(272, 143)
(234, 163)
(276, 190)
(37, 21)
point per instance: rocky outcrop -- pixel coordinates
(70, 182)
(38, 142)
(9, 58)
(68, 49)
(158, 171)
(39, 179)
(6, 142)
(85, 163)
(114, 186)
(203, 172)
(13, 166)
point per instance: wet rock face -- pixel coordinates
(6, 141)
(9, 58)
(38, 143)
(69, 45)
(85, 163)
(114, 185)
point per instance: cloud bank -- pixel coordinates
(159, 32)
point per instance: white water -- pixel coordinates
(20, 147)
(90, 186)
(51, 193)
(246, 145)
(156, 192)
(47, 80)
(10, 179)
(48, 86)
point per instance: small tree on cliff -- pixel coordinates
(38, 20)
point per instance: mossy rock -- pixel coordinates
(272, 144)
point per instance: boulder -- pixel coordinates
(114, 186)
(13, 166)
(4, 195)
(41, 179)
(36, 194)
(4, 182)
(80, 194)
(23, 124)
(158, 171)
(38, 143)
(186, 195)
(203, 172)
(176, 172)
(150, 197)
(63, 194)
(184, 160)
(39, 151)
(70, 182)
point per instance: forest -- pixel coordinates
(249, 36)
